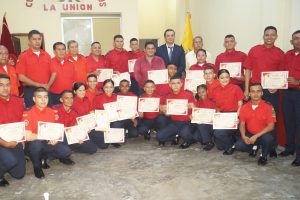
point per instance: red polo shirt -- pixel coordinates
(205, 104)
(94, 64)
(92, 94)
(228, 57)
(66, 118)
(262, 59)
(211, 88)
(34, 115)
(152, 115)
(82, 106)
(14, 81)
(257, 119)
(102, 99)
(227, 97)
(142, 66)
(182, 95)
(117, 60)
(11, 109)
(65, 75)
(81, 67)
(201, 66)
(292, 64)
(165, 89)
(35, 67)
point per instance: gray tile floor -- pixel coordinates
(142, 170)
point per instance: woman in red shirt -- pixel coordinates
(201, 61)
(81, 105)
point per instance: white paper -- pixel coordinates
(192, 84)
(117, 78)
(203, 115)
(102, 120)
(50, 131)
(177, 106)
(274, 80)
(126, 106)
(74, 134)
(87, 121)
(234, 68)
(104, 74)
(112, 110)
(225, 120)
(159, 76)
(114, 135)
(131, 64)
(195, 74)
(13, 132)
(149, 104)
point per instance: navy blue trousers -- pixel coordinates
(158, 124)
(203, 133)
(224, 138)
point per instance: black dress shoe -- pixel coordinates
(116, 145)
(45, 164)
(3, 182)
(185, 145)
(38, 172)
(208, 146)
(254, 151)
(229, 151)
(296, 162)
(273, 154)
(147, 136)
(67, 161)
(175, 141)
(262, 161)
(286, 153)
(161, 144)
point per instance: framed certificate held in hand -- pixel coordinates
(13, 132)
(177, 106)
(275, 80)
(225, 120)
(50, 131)
(203, 116)
(149, 104)
(127, 106)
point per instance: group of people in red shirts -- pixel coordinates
(64, 87)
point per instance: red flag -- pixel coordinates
(7, 41)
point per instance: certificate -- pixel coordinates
(112, 110)
(203, 115)
(131, 64)
(177, 106)
(87, 121)
(225, 121)
(117, 78)
(234, 68)
(149, 104)
(126, 106)
(74, 134)
(274, 80)
(104, 74)
(50, 131)
(13, 132)
(195, 74)
(102, 120)
(191, 84)
(159, 76)
(114, 135)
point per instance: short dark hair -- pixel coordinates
(118, 36)
(95, 43)
(66, 92)
(4, 76)
(255, 84)
(124, 81)
(203, 50)
(270, 28)
(33, 32)
(210, 68)
(296, 32)
(133, 40)
(169, 64)
(58, 43)
(39, 89)
(149, 81)
(203, 86)
(91, 76)
(167, 30)
(77, 85)
(229, 36)
(71, 42)
(222, 71)
(108, 81)
(149, 43)
(175, 77)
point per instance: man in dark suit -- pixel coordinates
(171, 52)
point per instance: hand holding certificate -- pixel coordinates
(118, 77)
(234, 68)
(192, 84)
(131, 64)
(104, 74)
(275, 80)
(149, 104)
(102, 120)
(126, 106)
(225, 120)
(13, 132)
(203, 115)
(114, 135)
(87, 121)
(159, 76)
(50, 131)
(177, 107)
(112, 110)
(76, 134)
